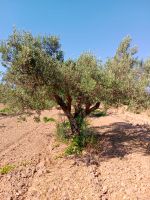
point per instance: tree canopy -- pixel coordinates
(36, 74)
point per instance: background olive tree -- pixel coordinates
(129, 77)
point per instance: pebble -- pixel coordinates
(105, 190)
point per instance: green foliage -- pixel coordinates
(76, 146)
(48, 119)
(2, 92)
(82, 79)
(6, 111)
(37, 75)
(31, 63)
(63, 131)
(77, 142)
(80, 142)
(6, 169)
(126, 82)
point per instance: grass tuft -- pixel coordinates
(48, 119)
(6, 111)
(63, 131)
(6, 169)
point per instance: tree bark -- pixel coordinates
(67, 110)
(80, 114)
(75, 128)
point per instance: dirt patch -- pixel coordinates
(119, 169)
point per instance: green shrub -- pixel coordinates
(78, 142)
(81, 141)
(76, 146)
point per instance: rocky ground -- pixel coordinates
(118, 170)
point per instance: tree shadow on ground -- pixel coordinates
(118, 140)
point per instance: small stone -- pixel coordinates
(104, 198)
(9, 198)
(9, 177)
(23, 175)
(17, 194)
(104, 190)
(34, 193)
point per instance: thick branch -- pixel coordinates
(62, 104)
(87, 107)
(69, 100)
(89, 110)
(84, 112)
(78, 107)
(60, 101)
(67, 110)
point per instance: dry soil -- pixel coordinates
(119, 169)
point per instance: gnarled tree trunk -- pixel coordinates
(75, 128)
(75, 119)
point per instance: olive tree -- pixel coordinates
(128, 83)
(37, 74)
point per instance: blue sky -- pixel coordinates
(82, 25)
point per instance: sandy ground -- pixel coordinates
(119, 170)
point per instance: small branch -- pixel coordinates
(78, 107)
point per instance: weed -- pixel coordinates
(6, 169)
(6, 111)
(25, 163)
(61, 155)
(79, 142)
(56, 145)
(63, 131)
(75, 147)
(48, 119)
